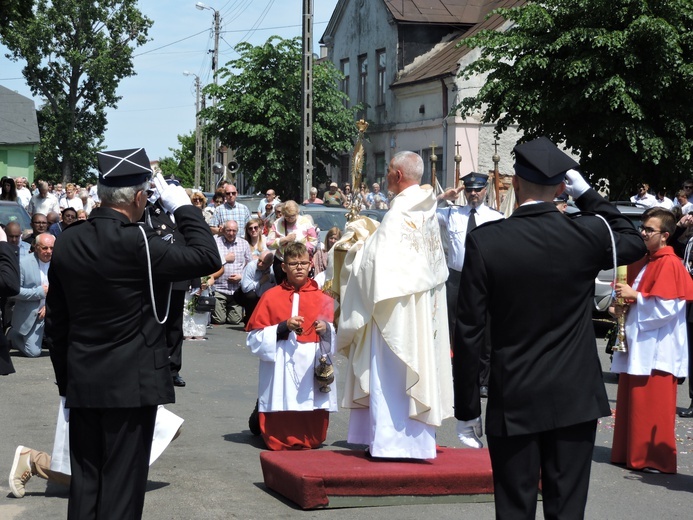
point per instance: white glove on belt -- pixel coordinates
(469, 433)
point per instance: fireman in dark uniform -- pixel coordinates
(106, 337)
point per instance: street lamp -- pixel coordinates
(198, 136)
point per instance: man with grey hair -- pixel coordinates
(28, 316)
(399, 376)
(108, 346)
(44, 201)
(23, 193)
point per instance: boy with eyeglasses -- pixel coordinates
(290, 330)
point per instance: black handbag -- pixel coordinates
(205, 304)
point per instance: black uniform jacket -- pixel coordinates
(156, 217)
(534, 272)
(107, 349)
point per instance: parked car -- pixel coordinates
(326, 217)
(11, 211)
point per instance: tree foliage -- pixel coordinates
(16, 11)
(76, 53)
(182, 165)
(613, 79)
(258, 114)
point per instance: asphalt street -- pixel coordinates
(212, 471)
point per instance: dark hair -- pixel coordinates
(12, 193)
(294, 250)
(665, 216)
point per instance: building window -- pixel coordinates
(382, 84)
(363, 76)
(344, 86)
(380, 167)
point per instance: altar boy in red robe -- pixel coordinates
(657, 344)
(290, 330)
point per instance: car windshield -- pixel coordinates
(10, 212)
(325, 220)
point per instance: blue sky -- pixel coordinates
(158, 103)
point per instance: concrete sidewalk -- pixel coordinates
(212, 471)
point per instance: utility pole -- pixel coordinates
(198, 132)
(215, 66)
(307, 101)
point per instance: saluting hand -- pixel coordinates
(451, 193)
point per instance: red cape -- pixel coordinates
(664, 277)
(275, 306)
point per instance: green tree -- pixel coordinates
(182, 165)
(613, 79)
(258, 113)
(76, 53)
(14, 11)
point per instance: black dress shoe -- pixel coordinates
(483, 391)
(687, 413)
(178, 381)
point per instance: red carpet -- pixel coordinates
(309, 478)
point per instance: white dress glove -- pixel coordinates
(172, 197)
(469, 433)
(575, 185)
(3, 235)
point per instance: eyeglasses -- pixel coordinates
(475, 190)
(231, 193)
(648, 231)
(294, 265)
(687, 187)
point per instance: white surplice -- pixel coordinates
(393, 328)
(286, 376)
(656, 337)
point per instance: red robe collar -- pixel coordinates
(275, 307)
(664, 277)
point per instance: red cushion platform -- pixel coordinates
(310, 477)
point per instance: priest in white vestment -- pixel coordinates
(393, 323)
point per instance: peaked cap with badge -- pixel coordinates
(474, 180)
(541, 162)
(120, 168)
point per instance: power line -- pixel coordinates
(169, 44)
(220, 32)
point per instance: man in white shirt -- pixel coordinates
(643, 198)
(455, 222)
(270, 198)
(23, 192)
(43, 202)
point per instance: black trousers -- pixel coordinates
(562, 458)
(174, 331)
(452, 288)
(109, 456)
